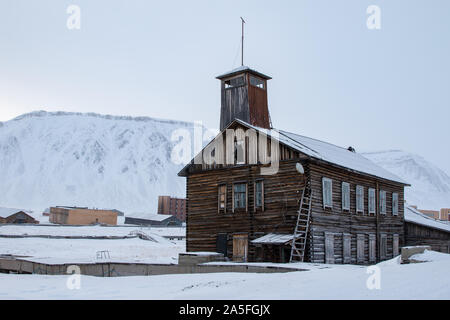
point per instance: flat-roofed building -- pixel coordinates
(173, 206)
(82, 216)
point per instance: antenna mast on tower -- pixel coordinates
(242, 55)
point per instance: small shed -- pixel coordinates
(160, 220)
(15, 216)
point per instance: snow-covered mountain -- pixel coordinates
(61, 158)
(430, 186)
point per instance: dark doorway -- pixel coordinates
(222, 243)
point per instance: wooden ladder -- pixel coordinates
(301, 229)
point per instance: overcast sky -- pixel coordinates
(333, 78)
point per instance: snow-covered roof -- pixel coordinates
(6, 212)
(242, 69)
(414, 216)
(152, 217)
(273, 238)
(330, 153)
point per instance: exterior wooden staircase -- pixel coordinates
(302, 227)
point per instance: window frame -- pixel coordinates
(359, 190)
(383, 202)
(345, 196)
(396, 207)
(245, 207)
(324, 199)
(219, 193)
(372, 203)
(261, 206)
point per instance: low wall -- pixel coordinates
(15, 265)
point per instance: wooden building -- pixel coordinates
(15, 216)
(153, 220)
(172, 206)
(420, 229)
(82, 216)
(253, 190)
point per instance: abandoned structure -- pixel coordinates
(172, 206)
(154, 220)
(82, 216)
(259, 194)
(420, 229)
(10, 215)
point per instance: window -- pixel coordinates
(395, 245)
(372, 248)
(222, 197)
(345, 196)
(327, 186)
(360, 248)
(382, 202)
(347, 249)
(395, 204)
(235, 82)
(371, 201)
(240, 196)
(257, 82)
(360, 199)
(383, 246)
(239, 151)
(259, 194)
(329, 247)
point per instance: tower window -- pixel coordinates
(235, 82)
(257, 82)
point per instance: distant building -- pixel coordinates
(158, 220)
(173, 206)
(82, 216)
(443, 214)
(430, 213)
(10, 215)
(46, 212)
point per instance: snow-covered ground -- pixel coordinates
(99, 231)
(161, 250)
(426, 280)
(85, 251)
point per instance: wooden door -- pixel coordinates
(240, 247)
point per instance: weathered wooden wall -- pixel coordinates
(205, 222)
(339, 222)
(421, 235)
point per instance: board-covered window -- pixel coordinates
(345, 196)
(257, 82)
(327, 186)
(383, 246)
(259, 194)
(360, 199)
(371, 201)
(382, 202)
(395, 204)
(222, 197)
(239, 196)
